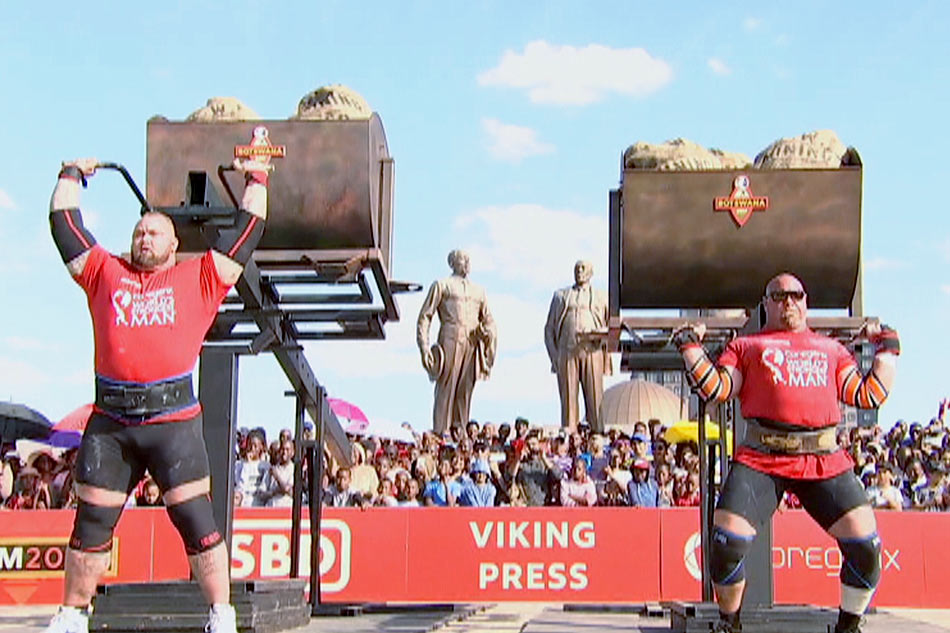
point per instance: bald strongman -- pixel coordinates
(149, 315)
(789, 381)
(578, 356)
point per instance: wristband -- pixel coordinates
(686, 339)
(73, 173)
(258, 176)
(887, 342)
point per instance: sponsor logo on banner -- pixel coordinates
(260, 548)
(825, 559)
(532, 535)
(42, 557)
(692, 556)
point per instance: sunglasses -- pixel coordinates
(779, 296)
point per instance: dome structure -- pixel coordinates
(638, 400)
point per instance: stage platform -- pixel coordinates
(510, 618)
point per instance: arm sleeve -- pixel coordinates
(712, 382)
(862, 391)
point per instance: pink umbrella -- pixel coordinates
(352, 417)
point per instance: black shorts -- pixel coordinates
(755, 495)
(115, 456)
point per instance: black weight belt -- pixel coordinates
(764, 436)
(136, 402)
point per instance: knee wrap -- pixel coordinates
(727, 556)
(93, 527)
(861, 561)
(194, 520)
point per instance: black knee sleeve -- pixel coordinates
(727, 556)
(93, 527)
(861, 561)
(194, 520)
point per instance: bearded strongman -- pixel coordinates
(150, 316)
(789, 381)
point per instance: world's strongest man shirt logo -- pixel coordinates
(796, 368)
(134, 308)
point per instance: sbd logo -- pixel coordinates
(260, 548)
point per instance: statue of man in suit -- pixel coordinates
(574, 337)
(466, 345)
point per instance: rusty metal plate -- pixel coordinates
(325, 194)
(677, 252)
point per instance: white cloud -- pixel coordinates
(27, 344)
(512, 143)
(751, 24)
(884, 263)
(944, 249)
(945, 288)
(570, 75)
(6, 202)
(718, 66)
(497, 239)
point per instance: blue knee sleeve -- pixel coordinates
(93, 527)
(727, 554)
(861, 561)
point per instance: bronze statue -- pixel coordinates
(574, 337)
(465, 351)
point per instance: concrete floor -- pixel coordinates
(510, 618)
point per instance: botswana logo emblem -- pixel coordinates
(741, 202)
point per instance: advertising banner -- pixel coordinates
(598, 555)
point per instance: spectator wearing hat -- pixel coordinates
(579, 490)
(641, 447)
(479, 492)
(642, 490)
(28, 491)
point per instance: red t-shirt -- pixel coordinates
(149, 326)
(790, 377)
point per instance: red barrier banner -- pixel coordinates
(806, 562)
(601, 555)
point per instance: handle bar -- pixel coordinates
(146, 207)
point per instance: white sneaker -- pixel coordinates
(69, 620)
(221, 619)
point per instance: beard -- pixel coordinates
(148, 260)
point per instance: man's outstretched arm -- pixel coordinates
(234, 247)
(72, 238)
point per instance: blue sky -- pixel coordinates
(507, 122)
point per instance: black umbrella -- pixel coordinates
(18, 422)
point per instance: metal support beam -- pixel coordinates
(217, 391)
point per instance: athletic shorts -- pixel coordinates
(755, 495)
(115, 456)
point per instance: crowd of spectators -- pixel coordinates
(904, 468)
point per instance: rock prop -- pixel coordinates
(223, 109)
(333, 103)
(816, 150)
(680, 155)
